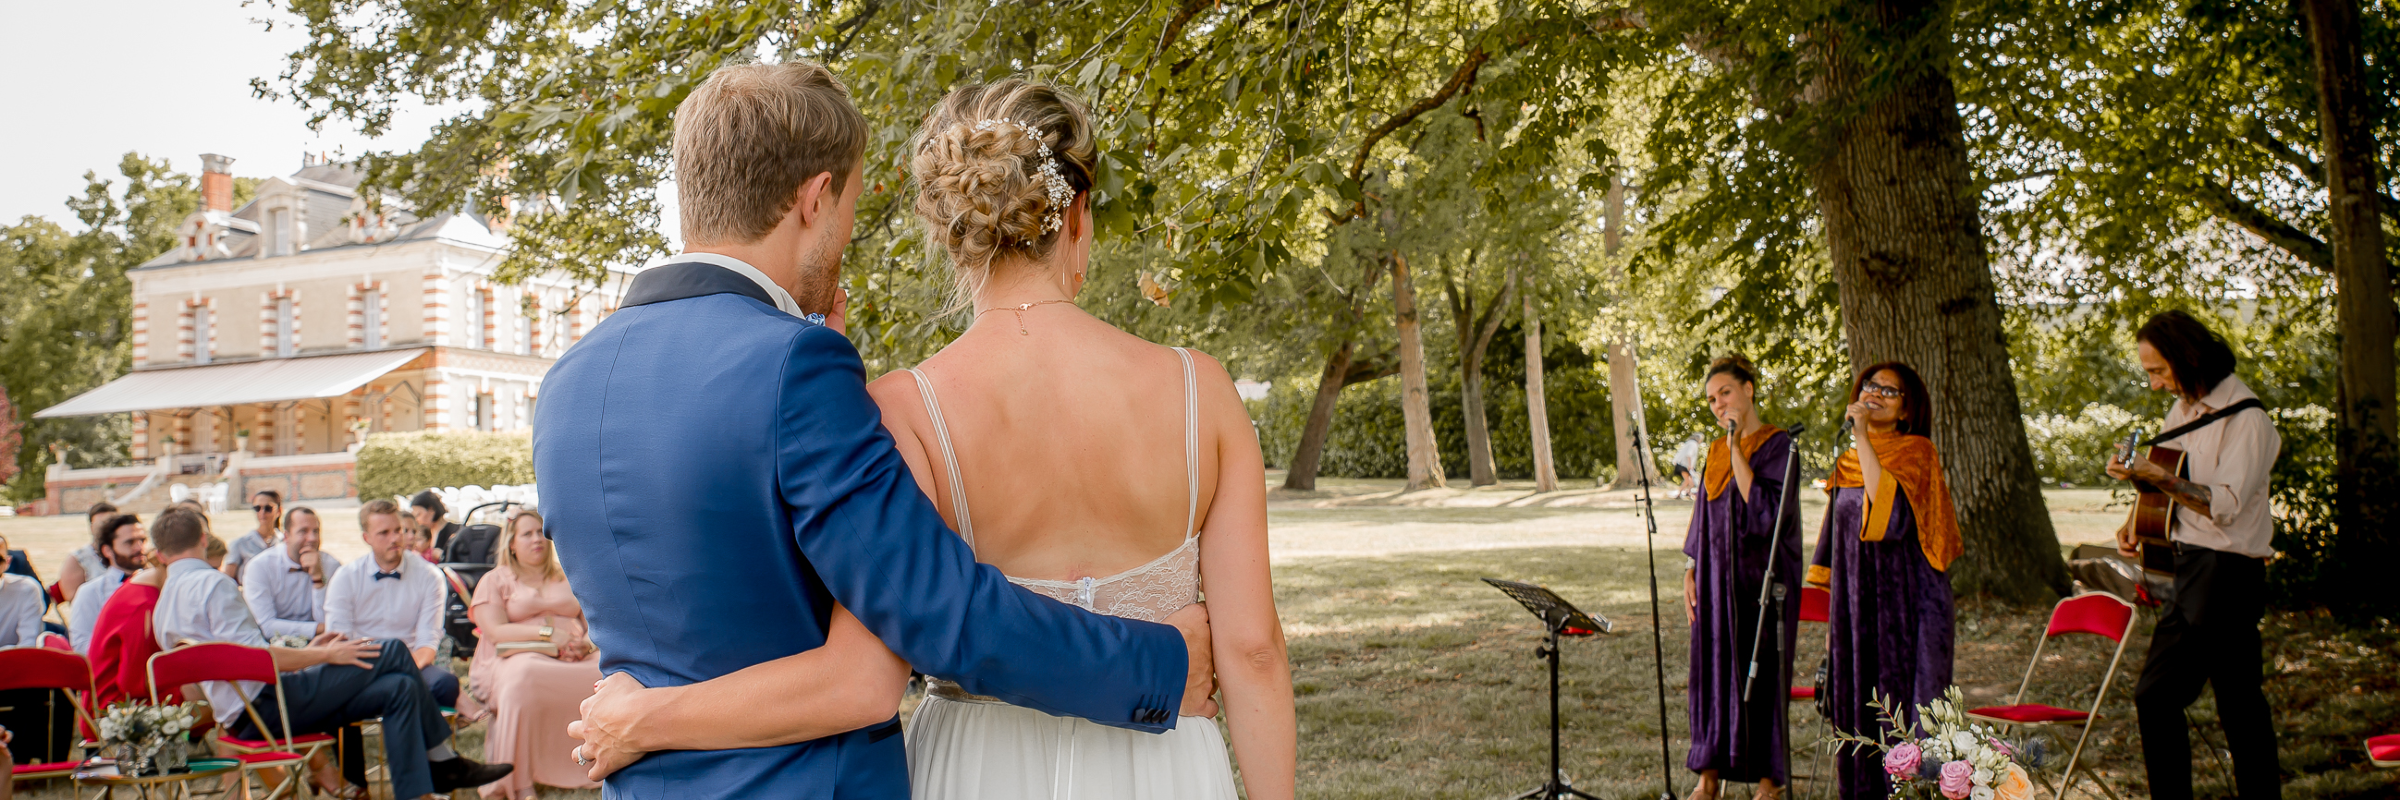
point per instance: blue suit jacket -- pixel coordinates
(716, 477)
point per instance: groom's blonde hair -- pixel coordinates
(747, 138)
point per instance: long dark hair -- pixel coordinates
(2199, 358)
(1916, 409)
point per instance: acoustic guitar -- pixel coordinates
(2154, 510)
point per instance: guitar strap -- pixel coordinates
(2204, 421)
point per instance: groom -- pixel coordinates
(717, 478)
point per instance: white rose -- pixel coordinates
(1980, 792)
(1964, 743)
(1982, 777)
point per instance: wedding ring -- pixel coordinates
(580, 761)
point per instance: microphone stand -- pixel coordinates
(1791, 475)
(1658, 647)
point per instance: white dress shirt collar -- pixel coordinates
(783, 299)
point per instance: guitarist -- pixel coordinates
(2208, 631)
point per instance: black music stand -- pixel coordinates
(1559, 618)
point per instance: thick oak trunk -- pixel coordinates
(1624, 394)
(1303, 473)
(1474, 337)
(1416, 400)
(2368, 505)
(1906, 239)
(1537, 408)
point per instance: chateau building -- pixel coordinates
(276, 336)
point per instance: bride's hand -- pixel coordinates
(609, 718)
(1200, 685)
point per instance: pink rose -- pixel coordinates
(2003, 747)
(1958, 778)
(1901, 760)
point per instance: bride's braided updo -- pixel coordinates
(984, 190)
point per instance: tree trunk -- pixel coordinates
(1537, 407)
(1416, 400)
(1474, 337)
(2367, 505)
(1624, 394)
(1905, 235)
(1303, 474)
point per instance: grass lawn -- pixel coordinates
(1415, 679)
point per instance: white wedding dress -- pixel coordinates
(968, 747)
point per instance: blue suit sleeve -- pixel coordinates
(882, 550)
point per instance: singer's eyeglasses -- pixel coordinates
(1880, 390)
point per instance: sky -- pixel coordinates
(89, 80)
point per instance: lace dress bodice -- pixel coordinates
(1149, 592)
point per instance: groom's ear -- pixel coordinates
(817, 197)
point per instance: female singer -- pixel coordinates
(1732, 533)
(1889, 534)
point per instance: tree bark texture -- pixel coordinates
(1416, 399)
(2367, 505)
(1537, 407)
(1475, 333)
(1906, 238)
(1624, 398)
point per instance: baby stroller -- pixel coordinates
(472, 552)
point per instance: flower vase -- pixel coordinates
(172, 754)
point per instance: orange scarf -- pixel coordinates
(1720, 469)
(1912, 467)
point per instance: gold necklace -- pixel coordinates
(1019, 310)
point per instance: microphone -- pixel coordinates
(1846, 422)
(1797, 429)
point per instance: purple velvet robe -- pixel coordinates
(1890, 630)
(1728, 543)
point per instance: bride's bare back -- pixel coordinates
(1070, 439)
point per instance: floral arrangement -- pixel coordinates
(1946, 756)
(142, 730)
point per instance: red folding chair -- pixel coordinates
(44, 668)
(1816, 605)
(222, 661)
(2384, 751)
(56, 642)
(2097, 613)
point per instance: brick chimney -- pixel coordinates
(216, 182)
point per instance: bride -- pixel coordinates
(1088, 465)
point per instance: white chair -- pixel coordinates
(178, 493)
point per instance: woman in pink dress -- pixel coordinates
(524, 604)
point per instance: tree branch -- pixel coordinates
(1459, 79)
(2220, 200)
(2260, 136)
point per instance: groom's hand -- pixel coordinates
(609, 716)
(1200, 683)
(839, 318)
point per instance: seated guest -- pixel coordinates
(20, 607)
(429, 511)
(390, 593)
(329, 684)
(419, 540)
(267, 506)
(84, 562)
(7, 788)
(120, 543)
(121, 641)
(525, 600)
(285, 584)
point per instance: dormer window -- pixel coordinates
(279, 232)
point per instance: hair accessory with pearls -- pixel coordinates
(1055, 185)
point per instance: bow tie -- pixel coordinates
(394, 575)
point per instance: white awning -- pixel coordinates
(267, 381)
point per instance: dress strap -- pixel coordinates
(941, 430)
(1191, 445)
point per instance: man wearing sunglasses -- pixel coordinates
(267, 504)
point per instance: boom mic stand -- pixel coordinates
(1791, 475)
(1658, 647)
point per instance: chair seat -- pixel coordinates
(242, 745)
(2384, 750)
(2028, 714)
(54, 769)
(1804, 693)
(269, 758)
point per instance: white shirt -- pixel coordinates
(20, 610)
(90, 559)
(2232, 458)
(89, 598)
(201, 604)
(244, 548)
(281, 596)
(783, 299)
(407, 608)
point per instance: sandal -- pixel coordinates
(1767, 790)
(349, 791)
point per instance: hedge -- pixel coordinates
(403, 463)
(1368, 439)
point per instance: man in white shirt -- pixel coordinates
(391, 593)
(2222, 533)
(285, 585)
(331, 683)
(20, 607)
(121, 543)
(267, 506)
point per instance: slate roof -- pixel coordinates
(326, 193)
